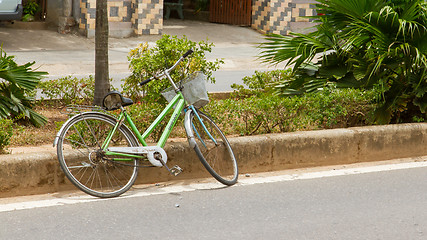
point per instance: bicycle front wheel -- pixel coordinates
(83, 161)
(213, 149)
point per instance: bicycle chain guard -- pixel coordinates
(151, 151)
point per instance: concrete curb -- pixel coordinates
(35, 173)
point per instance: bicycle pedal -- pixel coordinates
(176, 170)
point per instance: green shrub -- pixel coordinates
(266, 113)
(6, 132)
(146, 61)
(272, 114)
(258, 114)
(341, 107)
(69, 90)
(262, 82)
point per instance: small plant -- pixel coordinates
(418, 119)
(30, 10)
(6, 132)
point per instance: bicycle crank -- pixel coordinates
(175, 170)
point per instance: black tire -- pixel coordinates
(82, 160)
(217, 158)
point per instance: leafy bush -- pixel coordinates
(30, 10)
(31, 7)
(362, 44)
(267, 113)
(146, 61)
(262, 82)
(69, 90)
(6, 132)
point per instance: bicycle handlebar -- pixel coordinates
(187, 53)
(167, 71)
(145, 81)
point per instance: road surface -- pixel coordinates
(387, 201)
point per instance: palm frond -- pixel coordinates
(20, 81)
(21, 75)
(292, 50)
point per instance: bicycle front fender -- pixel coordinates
(188, 129)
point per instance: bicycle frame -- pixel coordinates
(130, 153)
(178, 102)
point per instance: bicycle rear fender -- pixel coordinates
(55, 141)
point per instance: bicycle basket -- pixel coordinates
(193, 89)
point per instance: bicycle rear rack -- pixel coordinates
(72, 110)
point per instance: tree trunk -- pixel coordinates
(102, 83)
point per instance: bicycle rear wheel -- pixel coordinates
(83, 161)
(213, 149)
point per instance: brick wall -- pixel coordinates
(147, 16)
(125, 17)
(282, 16)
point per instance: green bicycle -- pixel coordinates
(101, 155)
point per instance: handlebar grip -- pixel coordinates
(187, 53)
(145, 81)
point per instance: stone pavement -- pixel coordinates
(72, 54)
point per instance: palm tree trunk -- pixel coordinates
(102, 84)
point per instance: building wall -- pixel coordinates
(282, 16)
(125, 17)
(147, 16)
(54, 11)
(139, 17)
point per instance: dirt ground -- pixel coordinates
(27, 135)
(27, 138)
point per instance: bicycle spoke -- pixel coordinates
(82, 145)
(93, 134)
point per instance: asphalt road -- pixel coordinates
(335, 204)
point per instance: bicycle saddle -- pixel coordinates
(114, 100)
